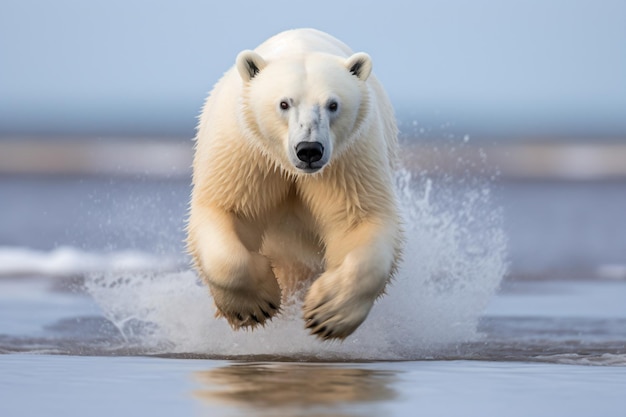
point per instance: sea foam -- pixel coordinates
(454, 260)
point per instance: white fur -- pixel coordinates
(263, 219)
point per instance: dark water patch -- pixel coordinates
(504, 339)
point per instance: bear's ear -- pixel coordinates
(249, 63)
(360, 64)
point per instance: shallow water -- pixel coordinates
(35, 385)
(559, 322)
(113, 322)
(546, 348)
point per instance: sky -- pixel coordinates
(499, 68)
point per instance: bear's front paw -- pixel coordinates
(250, 299)
(249, 306)
(332, 311)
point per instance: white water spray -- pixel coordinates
(454, 260)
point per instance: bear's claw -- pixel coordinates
(332, 313)
(245, 308)
(321, 328)
(250, 320)
(322, 331)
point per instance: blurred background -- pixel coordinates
(99, 100)
(497, 70)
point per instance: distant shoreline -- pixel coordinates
(171, 159)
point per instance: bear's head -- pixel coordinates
(304, 110)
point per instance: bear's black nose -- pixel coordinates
(309, 152)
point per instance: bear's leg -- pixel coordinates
(241, 280)
(359, 265)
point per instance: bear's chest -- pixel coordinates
(246, 186)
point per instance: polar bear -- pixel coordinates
(293, 185)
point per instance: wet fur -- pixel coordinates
(258, 229)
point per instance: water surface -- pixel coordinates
(100, 315)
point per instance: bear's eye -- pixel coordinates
(284, 105)
(333, 106)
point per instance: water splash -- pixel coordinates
(454, 260)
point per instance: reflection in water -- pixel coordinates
(275, 386)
